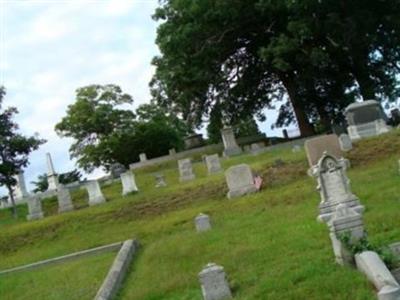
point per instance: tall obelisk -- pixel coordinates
(52, 177)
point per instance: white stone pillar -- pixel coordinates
(128, 183)
(94, 191)
(214, 285)
(64, 199)
(52, 177)
(20, 190)
(34, 208)
(202, 222)
(230, 145)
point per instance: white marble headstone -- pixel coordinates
(213, 164)
(64, 199)
(128, 183)
(202, 222)
(34, 208)
(94, 191)
(185, 170)
(240, 181)
(214, 285)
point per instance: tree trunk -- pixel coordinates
(324, 117)
(303, 123)
(14, 207)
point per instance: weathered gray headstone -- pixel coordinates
(345, 142)
(160, 180)
(52, 177)
(117, 169)
(369, 263)
(94, 191)
(213, 164)
(230, 145)
(172, 151)
(142, 157)
(334, 186)
(185, 170)
(202, 222)
(214, 285)
(64, 199)
(34, 208)
(345, 221)
(365, 119)
(128, 183)
(317, 146)
(240, 181)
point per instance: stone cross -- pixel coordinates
(345, 221)
(240, 181)
(142, 157)
(34, 208)
(94, 191)
(230, 145)
(128, 183)
(214, 285)
(52, 177)
(64, 199)
(345, 142)
(202, 222)
(160, 180)
(185, 170)
(213, 164)
(20, 190)
(334, 186)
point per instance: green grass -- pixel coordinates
(73, 280)
(269, 243)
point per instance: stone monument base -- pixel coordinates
(232, 151)
(357, 132)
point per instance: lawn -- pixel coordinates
(269, 243)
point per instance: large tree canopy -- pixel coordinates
(105, 132)
(233, 58)
(14, 149)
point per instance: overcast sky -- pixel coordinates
(50, 48)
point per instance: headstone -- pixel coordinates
(334, 187)
(369, 263)
(240, 181)
(20, 190)
(296, 148)
(64, 199)
(317, 146)
(345, 221)
(52, 177)
(345, 142)
(94, 191)
(128, 183)
(202, 222)
(213, 164)
(34, 208)
(117, 169)
(172, 152)
(246, 148)
(365, 119)
(160, 180)
(214, 285)
(142, 157)
(257, 148)
(185, 170)
(193, 141)
(230, 145)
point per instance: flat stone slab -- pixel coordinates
(316, 147)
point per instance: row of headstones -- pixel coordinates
(64, 197)
(341, 210)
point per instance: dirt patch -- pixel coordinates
(283, 173)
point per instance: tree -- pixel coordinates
(97, 125)
(42, 184)
(14, 149)
(234, 58)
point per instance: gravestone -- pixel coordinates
(128, 183)
(345, 220)
(160, 180)
(213, 164)
(230, 145)
(202, 222)
(117, 169)
(172, 152)
(257, 148)
(20, 190)
(317, 146)
(193, 141)
(240, 181)
(214, 285)
(142, 157)
(64, 199)
(334, 187)
(34, 208)
(185, 170)
(365, 119)
(94, 191)
(52, 177)
(345, 142)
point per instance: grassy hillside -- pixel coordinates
(269, 243)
